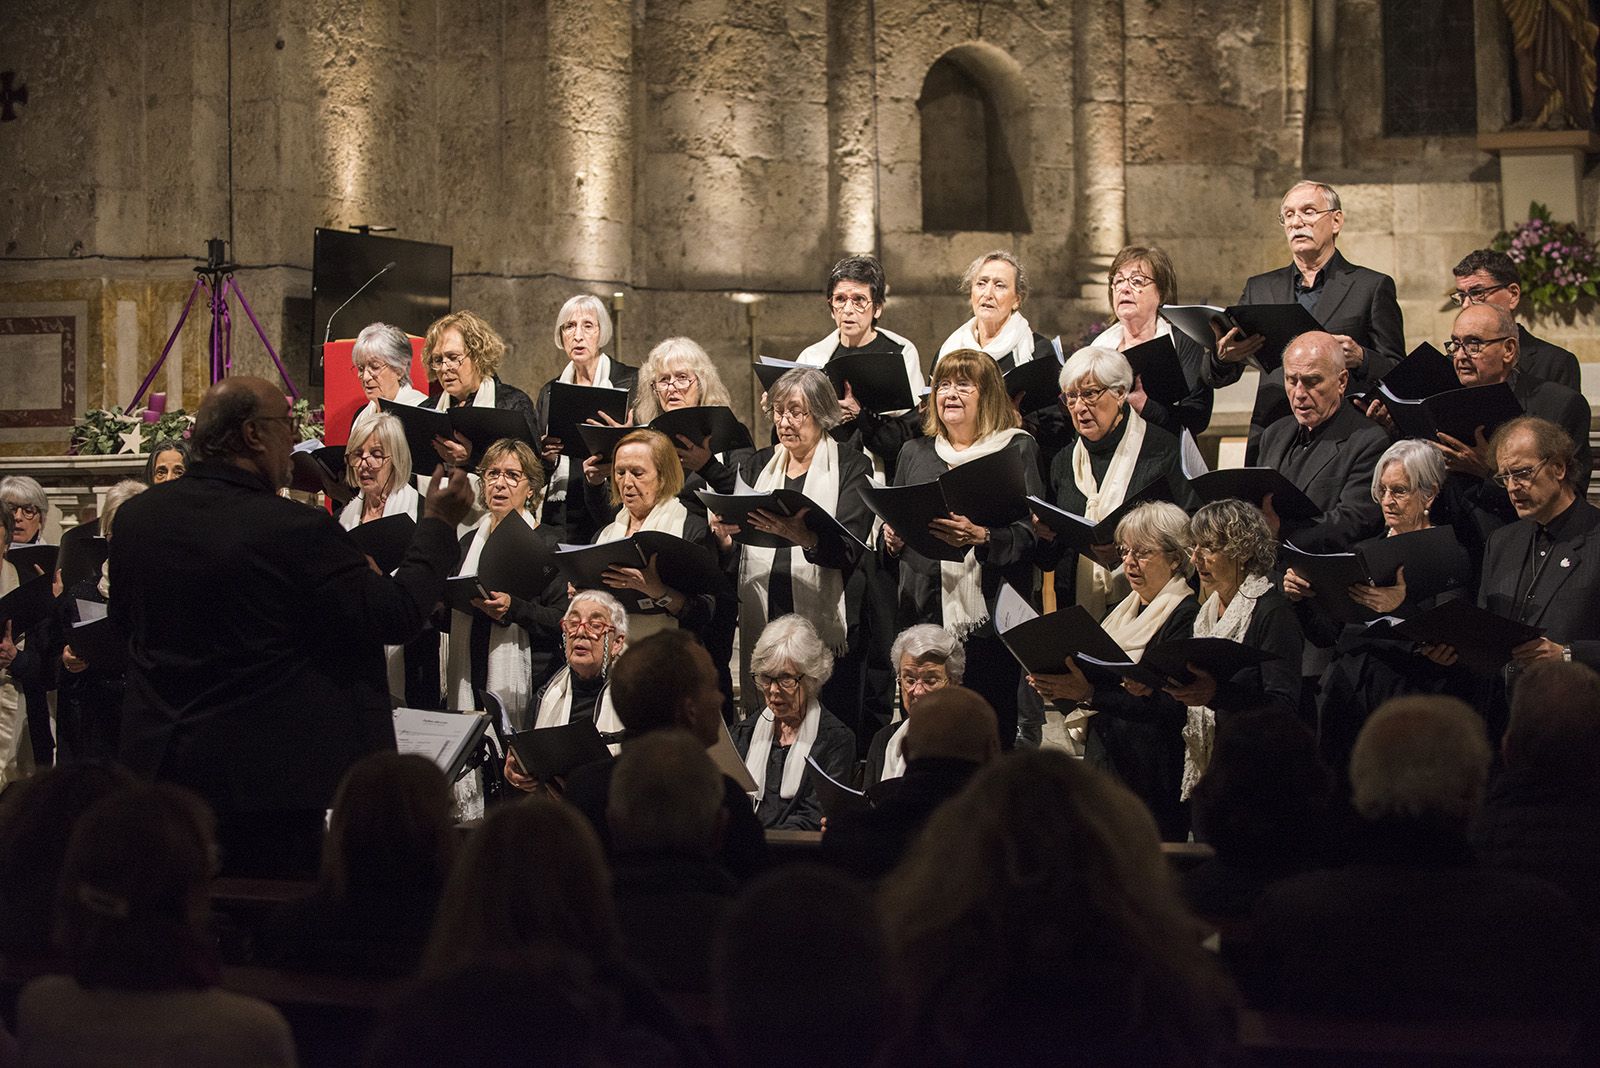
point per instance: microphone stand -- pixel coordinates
(327, 335)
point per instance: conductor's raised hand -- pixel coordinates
(454, 450)
(450, 495)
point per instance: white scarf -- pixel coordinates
(960, 583)
(509, 674)
(16, 746)
(667, 516)
(1096, 587)
(484, 398)
(818, 591)
(560, 479)
(1111, 337)
(1015, 339)
(555, 708)
(818, 355)
(894, 754)
(414, 397)
(402, 501)
(794, 765)
(1133, 628)
(1200, 732)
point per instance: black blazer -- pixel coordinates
(540, 616)
(851, 511)
(256, 633)
(1337, 478)
(1193, 411)
(1547, 360)
(1355, 300)
(1566, 601)
(1564, 407)
(834, 751)
(1276, 683)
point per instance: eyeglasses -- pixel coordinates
(1476, 294)
(510, 478)
(680, 382)
(959, 386)
(27, 510)
(1472, 346)
(1399, 493)
(447, 359)
(1138, 556)
(790, 415)
(1517, 476)
(1137, 281)
(1089, 397)
(1310, 215)
(586, 326)
(858, 302)
(785, 683)
(930, 680)
(593, 628)
(1205, 549)
(376, 459)
(372, 368)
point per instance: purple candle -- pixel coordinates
(158, 405)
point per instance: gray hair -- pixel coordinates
(1240, 530)
(666, 795)
(672, 353)
(1422, 462)
(22, 489)
(116, 497)
(613, 607)
(1421, 757)
(926, 641)
(1106, 366)
(970, 275)
(791, 640)
(594, 306)
(392, 436)
(1330, 195)
(389, 343)
(1164, 527)
(814, 388)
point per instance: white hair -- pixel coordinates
(594, 306)
(1106, 366)
(1423, 464)
(792, 641)
(613, 607)
(927, 641)
(389, 343)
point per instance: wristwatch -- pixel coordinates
(1566, 653)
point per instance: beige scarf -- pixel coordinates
(1096, 587)
(555, 708)
(961, 582)
(1200, 732)
(1015, 339)
(667, 516)
(794, 765)
(509, 673)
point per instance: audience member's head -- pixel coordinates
(1554, 731)
(168, 459)
(133, 894)
(1264, 796)
(36, 822)
(668, 680)
(666, 797)
(533, 872)
(1045, 875)
(391, 830)
(1421, 759)
(799, 972)
(245, 422)
(953, 723)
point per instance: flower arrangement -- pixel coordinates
(307, 420)
(105, 431)
(1087, 335)
(1558, 263)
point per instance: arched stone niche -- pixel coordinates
(976, 143)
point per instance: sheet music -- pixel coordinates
(89, 611)
(439, 736)
(1189, 458)
(1011, 608)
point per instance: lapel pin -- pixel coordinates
(1566, 561)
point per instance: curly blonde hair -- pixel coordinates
(673, 354)
(485, 348)
(1240, 531)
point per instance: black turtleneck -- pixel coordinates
(585, 695)
(1100, 452)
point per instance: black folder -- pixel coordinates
(320, 468)
(877, 380)
(736, 507)
(555, 752)
(1218, 657)
(1426, 372)
(514, 560)
(34, 555)
(1278, 323)
(1428, 556)
(1482, 639)
(769, 369)
(28, 605)
(1039, 382)
(385, 539)
(1457, 412)
(421, 426)
(685, 566)
(459, 591)
(699, 422)
(601, 440)
(1252, 484)
(568, 407)
(1083, 534)
(81, 558)
(1196, 321)
(100, 643)
(991, 491)
(835, 797)
(1155, 364)
(1043, 644)
(485, 426)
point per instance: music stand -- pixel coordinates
(216, 280)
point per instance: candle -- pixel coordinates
(157, 406)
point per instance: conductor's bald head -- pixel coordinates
(245, 421)
(953, 723)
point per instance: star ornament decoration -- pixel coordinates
(133, 438)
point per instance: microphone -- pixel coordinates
(327, 335)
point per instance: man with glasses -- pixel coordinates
(1485, 276)
(256, 630)
(1356, 305)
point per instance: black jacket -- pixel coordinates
(1547, 360)
(569, 518)
(1337, 476)
(834, 751)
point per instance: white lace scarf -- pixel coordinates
(1200, 732)
(1015, 339)
(509, 674)
(1095, 586)
(794, 765)
(961, 583)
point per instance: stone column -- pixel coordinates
(1326, 140)
(1099, 118)
(590, 127)
(852, 128)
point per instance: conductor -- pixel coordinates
(256, 630)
